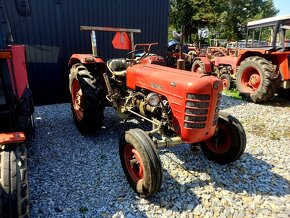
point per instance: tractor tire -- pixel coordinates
(227, 81)
(140, 162)
(14, 194)
(198, 67)
(88, 101)
(24, 120)
(256, 79)
(228, 143)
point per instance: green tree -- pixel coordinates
(223, 18)
(240, 12)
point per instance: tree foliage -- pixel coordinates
(222, 18)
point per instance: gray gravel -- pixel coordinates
(79, 176)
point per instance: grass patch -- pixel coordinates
(233, 93)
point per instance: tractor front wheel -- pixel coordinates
(227, 81)
(198, 67)
(228, 143)
(140, 161)
(256, 79)
(14, 194)
(87, 99)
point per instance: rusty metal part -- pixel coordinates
(109, 87)
(139, 115)
(168, 141)
(109, 29)
(181, 64)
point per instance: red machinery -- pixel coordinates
(16, 121)
(16, 132)
(218, 61)
(182, 108)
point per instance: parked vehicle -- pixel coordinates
(182, 108)
(173, 53)
(216, 61)
(264, 64)
(16, 123)
(16, 132)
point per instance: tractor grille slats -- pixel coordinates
(217, 109)
(196, 111)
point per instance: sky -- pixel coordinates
(283, 6)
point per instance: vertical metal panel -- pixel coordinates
(52, 33)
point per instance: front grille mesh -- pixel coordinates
(196, 111)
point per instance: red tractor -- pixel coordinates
(16, 132)
(181, 108)
(264, 64)
(217, 61)
(261, 67)
(16, 122)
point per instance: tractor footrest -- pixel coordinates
(12, 137)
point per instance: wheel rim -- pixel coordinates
(225, 83)
(133, 163)
(221, 141)
(77, 100)
(250, 80)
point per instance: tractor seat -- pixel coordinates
(118, 67)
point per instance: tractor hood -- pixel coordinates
(190, 95)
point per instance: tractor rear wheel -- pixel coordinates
(227, 81)
(228, 142)
(140, 162)
(14, 194)
(198, 67)
(88, 100)
(256, 79)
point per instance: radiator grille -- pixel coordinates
(217, 109)
(196, 111)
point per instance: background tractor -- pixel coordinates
(217, 61)
(182, 108)
(16, 124)
(264, 64)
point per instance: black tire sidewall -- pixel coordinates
(15, 198)
(266, 88)
(238, 141)
(93, 99)
(152, 165)
(198, 63)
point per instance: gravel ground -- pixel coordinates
(72, 175)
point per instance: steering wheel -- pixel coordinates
(134, 52)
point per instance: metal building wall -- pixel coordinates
(52, 34)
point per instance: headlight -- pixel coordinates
(153, 99)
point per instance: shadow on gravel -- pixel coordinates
(248, 175)
(278, 102)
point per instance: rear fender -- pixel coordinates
(85, 59)
(227, 60)
(207, 64)
(94, 64)
(284, 65)
(243, 54)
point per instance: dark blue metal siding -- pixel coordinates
(52, 33)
